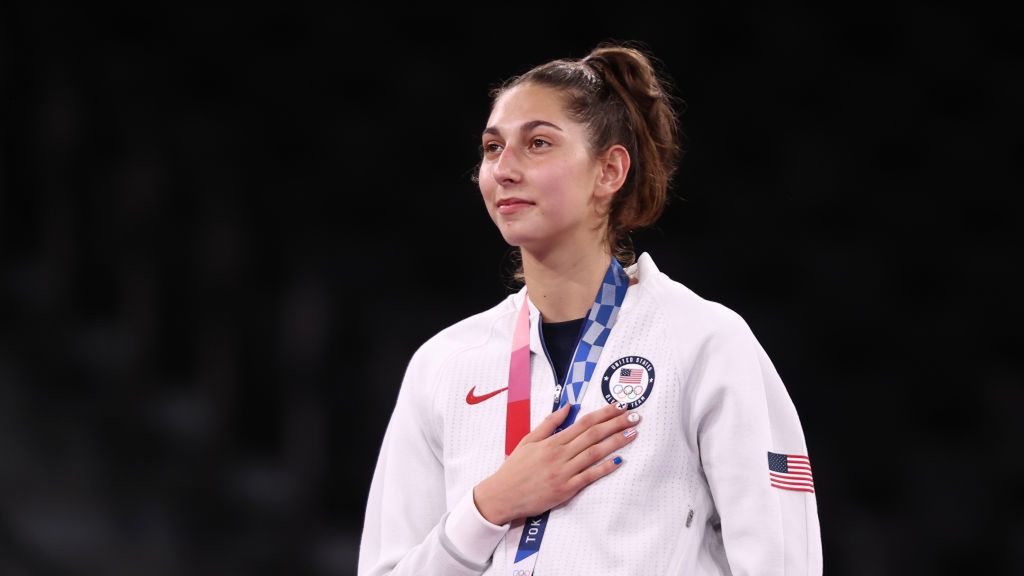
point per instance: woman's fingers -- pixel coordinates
(548, 468)
(587, 421)
(602, 430)
(598, 451)
(594, 473)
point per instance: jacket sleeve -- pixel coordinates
(743, 412)
(407, 528)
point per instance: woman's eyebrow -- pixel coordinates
(524, 128)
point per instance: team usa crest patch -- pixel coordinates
(628, 381)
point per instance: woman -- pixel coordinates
(670, 445)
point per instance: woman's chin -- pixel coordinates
(534, 243)
(517, 237)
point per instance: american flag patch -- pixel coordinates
(630, 375)
(790, 472)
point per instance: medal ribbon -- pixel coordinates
(596, 328)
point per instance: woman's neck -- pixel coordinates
(562, 284)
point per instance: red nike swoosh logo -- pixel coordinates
(471, 399)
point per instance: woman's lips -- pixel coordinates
(512, 205)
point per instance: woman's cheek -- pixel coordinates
(486, 193)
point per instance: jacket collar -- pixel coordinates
(642, 271)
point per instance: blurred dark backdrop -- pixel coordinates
(224, 231)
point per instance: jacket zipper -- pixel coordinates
(554, 373)
(559, 386)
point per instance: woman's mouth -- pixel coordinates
(512, 205)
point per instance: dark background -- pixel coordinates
(223, 232)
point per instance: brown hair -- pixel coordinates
(622, 99)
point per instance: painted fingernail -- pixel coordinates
(629, 433)
(634, 417)
(617, 460)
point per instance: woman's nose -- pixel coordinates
(506, 168)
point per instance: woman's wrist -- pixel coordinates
(487, 504)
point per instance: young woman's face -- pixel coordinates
(537, 175)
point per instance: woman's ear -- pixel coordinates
(613, 167)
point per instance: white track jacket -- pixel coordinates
(705, 489)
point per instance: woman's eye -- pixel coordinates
(539, 143)
(490, 148)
